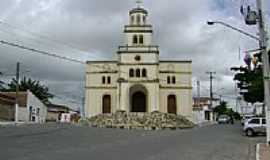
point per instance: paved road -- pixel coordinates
(66, 142)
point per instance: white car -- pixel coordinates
(255, 126)
(245, 118)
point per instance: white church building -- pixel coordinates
(138, 80)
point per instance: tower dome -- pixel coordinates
(138, 10)
(138, 15)
(139, 31)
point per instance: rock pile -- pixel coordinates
(146, 121)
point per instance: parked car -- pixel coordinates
(224, 119)
(254, 126)
(245, 118)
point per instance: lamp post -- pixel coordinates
(262, 39)
(233, 28)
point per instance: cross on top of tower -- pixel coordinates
(139, 2)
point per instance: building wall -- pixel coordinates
(23, 114)
(145, 57)
(33, 101)
(147, 37)
(157, 91)
(152, 98)
(52, 116)
(7, 112)
(95, 89)
(94, 100)
(183, 101)
(199, 116)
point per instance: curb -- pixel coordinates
(258, 151)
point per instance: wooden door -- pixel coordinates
(172, 104)
(106, 104)
(138, 102)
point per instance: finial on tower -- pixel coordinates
(139, 2)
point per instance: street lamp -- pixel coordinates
(234, 28)
(262, 39)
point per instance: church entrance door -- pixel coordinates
(138, 102)
(106, 104)
(172, 104)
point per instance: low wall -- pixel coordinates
(7, 112)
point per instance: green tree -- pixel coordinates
(1, 83)
(221, 109)
(250, 82)
(39, 90)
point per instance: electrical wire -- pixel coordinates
(45, 38)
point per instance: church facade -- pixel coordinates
(139, 81)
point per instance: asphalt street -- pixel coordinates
(68, 142)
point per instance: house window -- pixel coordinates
(135, 39)
(173, 80)
(141, 39)
(144, 73)
(138, 73)
(38, 110)
(263, 121)
(169, 80)
(131, 73)
(30, 113)
(103, 80)
(109, 80)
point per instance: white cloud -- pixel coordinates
(95, 26)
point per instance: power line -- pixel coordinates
(63, 57)
(41, 52)
(44, 37)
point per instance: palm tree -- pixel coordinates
(39, 90)
(1, 83)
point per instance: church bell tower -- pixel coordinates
(138, 38)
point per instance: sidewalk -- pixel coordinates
(263, 152)
(11, 123)
(206, 123)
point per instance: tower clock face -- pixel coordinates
(137, 58)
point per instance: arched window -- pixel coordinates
(135, 39)
(131, 73)
(169, 80)
(141, 39)
(109, 80)
(144, 73)
(138, 73)
(103, 80)
(269, 56)
(132, 19)
(144, 19)
(138, 19)
(173, 80)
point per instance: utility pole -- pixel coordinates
(265, 56)
(211, 87)
(198, 93)
(17, 93)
